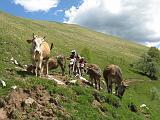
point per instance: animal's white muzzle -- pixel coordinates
(37, 51)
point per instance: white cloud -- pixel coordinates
(136, 20)
(153, 44)
(154, 23)
(37, 5)
(58, 11)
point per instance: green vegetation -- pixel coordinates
(148, 64)
(98, 48)
(86, 53)
(154, 53)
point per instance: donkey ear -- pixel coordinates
(34, 36)
(29, 41)
(42, 40)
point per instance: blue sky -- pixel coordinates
(135, 20)
(53, 14)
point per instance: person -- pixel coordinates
(73, 65)
(82, 65)
(73, 54)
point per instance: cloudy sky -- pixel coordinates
(136, 20)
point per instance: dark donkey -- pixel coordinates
(94, 73)
(112, 74)
(53, 63)
(56, 62)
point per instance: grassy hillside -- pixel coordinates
(104, 50)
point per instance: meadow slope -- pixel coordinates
(104, 50)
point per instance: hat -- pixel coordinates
(73, 51)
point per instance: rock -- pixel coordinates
(14, 61)
(57, 81)
(82, 78)
(2, 83)
(144, 106)
(73, 81)
(29, 101)
(25, 66)
(14, 87)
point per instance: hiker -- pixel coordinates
(73, 66)
(82, 65)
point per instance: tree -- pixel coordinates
(154, 53)
(148, 66)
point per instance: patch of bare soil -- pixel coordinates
(35, 103)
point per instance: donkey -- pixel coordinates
(94, 73)
(112, 74)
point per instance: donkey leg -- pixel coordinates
(91, 81)
(109, 85)
(62, 69)
(36, 71)
(99, 84)
(116, 88)
(37, 68)
(69, 72)
(95, 81)
(34, 67)
(40, 66)
(46, 68)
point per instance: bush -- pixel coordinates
(148, 64)
(154, 53)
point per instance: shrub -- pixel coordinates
(154, 53)
(148, 64)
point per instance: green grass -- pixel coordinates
(102, 50)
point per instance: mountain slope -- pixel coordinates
(79, 101)
(104, 49)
